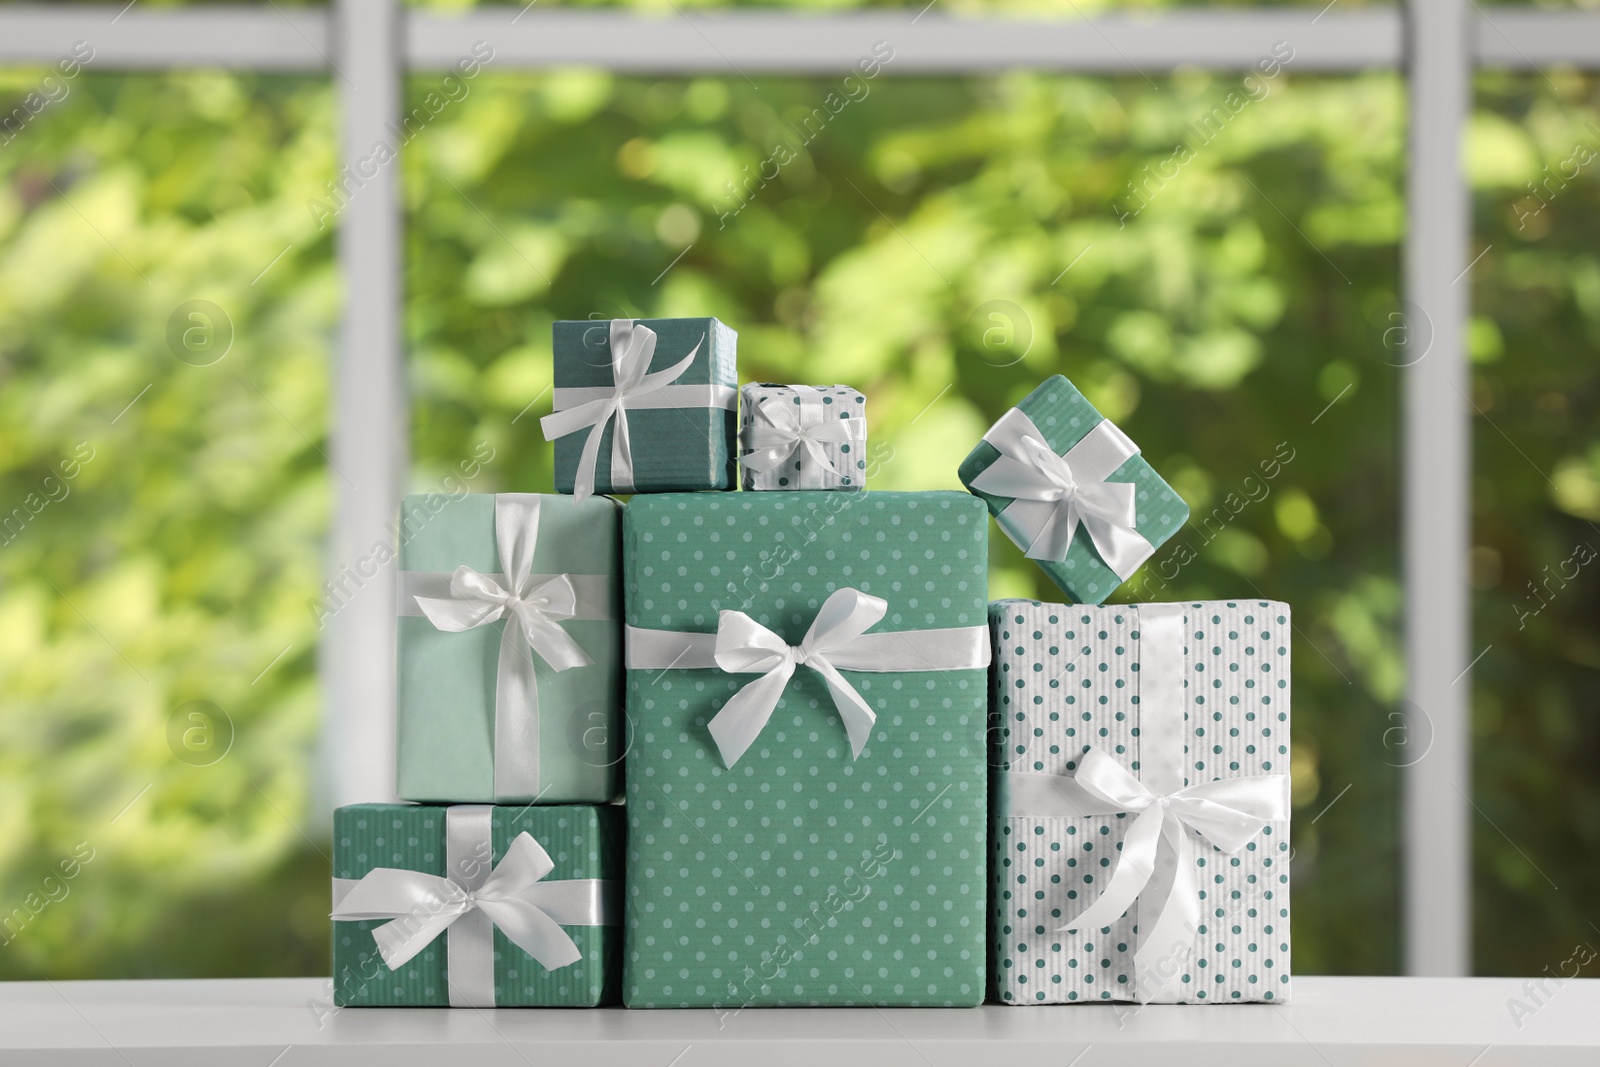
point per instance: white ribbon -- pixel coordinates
(1052, 495)
(1156, 867)
(777, 428)
(533, 607)
(837, 640)
(471, 901)
(633, 345)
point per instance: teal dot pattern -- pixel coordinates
(849, 459)
(802, 876)
(584, 841)
(1064, 416)
(1067, 676)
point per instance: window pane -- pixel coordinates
(1536, 498)
(944, 244)
(166, 302)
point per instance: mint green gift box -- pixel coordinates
(803, 874)
(457, 742)
(1089, 449)
(583, 842)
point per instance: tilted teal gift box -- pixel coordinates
(541, 929)
(1141, 802)
(1070, 489)
(839, 857)
(643, 405)
(501, 702)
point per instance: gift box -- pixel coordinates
(476, 905)
(1140, 798)
(803, 437)
(807, 688)
(504, 700)
(643, 405)
(1071, 490)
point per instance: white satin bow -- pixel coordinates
(1159, 850)
(423, 906)
(633, 345)
(780, 427)
(1054, 494)
(744, 646)
(478, 600)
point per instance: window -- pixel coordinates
(990, 206)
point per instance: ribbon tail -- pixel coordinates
(516, 720)
(856, 714)
(1168, 929)
(1129, 876)
(621, 454)
(583, 479)
(401, 939)
(741, 720)
(767, 457)
(1123, 548)
(1054, 537)
(530, 929)
(818, 467)
(554, 645)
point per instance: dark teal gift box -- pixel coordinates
(681, 413)
(583, 842)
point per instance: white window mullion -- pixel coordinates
(1436, 502)
(370, 426)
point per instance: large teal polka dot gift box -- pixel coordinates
(472, 905)
(1072, 491)
(806, 774)
(1140, 802)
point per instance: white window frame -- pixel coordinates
(368, 45)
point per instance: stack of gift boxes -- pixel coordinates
(777, 749)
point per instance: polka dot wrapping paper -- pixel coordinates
(1066, 677)
(1065, 418)
(812, 406)
(583, 841)
(801, 876)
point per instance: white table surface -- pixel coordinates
(288, 1022)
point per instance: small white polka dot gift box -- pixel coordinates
(802, 437)
(1140, 792)
(476, 905)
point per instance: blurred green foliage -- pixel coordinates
(172, 514)
(1534, 160)
(941, 244)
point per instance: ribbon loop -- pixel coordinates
(1053, 495)
(633, 346)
